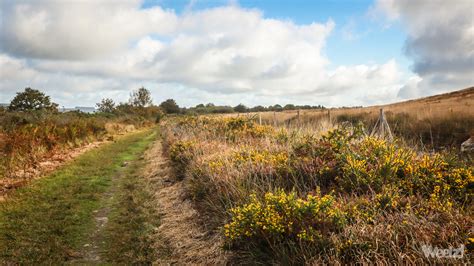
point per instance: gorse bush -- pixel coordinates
(285, 217)
(298, 197)
(181, 154)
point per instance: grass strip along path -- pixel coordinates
(55, 218)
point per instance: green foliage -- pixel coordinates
(209, 109)
(141, 98)
(241, 108)
(131, 113)
(106, 105)
(31, 99)
(170, 107)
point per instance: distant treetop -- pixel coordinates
(31, 99)
(170, 107)
(141, 98)
(107, 105)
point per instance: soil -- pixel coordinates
(180, 237)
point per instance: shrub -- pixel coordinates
(284, 219)
(181, 154)
(258, 183)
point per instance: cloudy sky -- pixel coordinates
(329, 52)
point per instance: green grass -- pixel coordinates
(48, 221)
(132, 220)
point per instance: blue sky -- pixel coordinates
(330, 52)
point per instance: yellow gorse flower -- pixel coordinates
(283, 214)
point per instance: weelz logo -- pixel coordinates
(450, 253)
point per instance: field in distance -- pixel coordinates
(439, 121)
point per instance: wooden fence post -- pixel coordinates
(381, 128)
(298, 118)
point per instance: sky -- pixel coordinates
(328, 52)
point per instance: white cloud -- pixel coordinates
(78, 29)
(440, 41)
(410, 89)
(87, 50)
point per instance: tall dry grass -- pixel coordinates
(432, 123)
(292, 195)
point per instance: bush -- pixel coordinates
(181, 154)
(283, 217)
(258, 183)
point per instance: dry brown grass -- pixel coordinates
(439, 121)
(459, 102)
(222, 163)
(180, 239)
(118, 128)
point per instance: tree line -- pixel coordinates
(141, 102)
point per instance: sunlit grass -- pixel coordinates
(48, 221)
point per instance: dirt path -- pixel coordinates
(180, 239)
(102, 246)
(92, 251)
(69, 216)
(118, 204)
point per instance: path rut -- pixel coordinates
(180, 237)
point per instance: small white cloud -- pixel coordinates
(411, 89)
(387, 9)
(348, 31)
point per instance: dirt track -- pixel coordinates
(179, 238)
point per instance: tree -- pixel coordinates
(275, 107)
(107, 105)
(258, 108)
(241, 108)
(31, 99)
(141, 98)
(170, 107)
